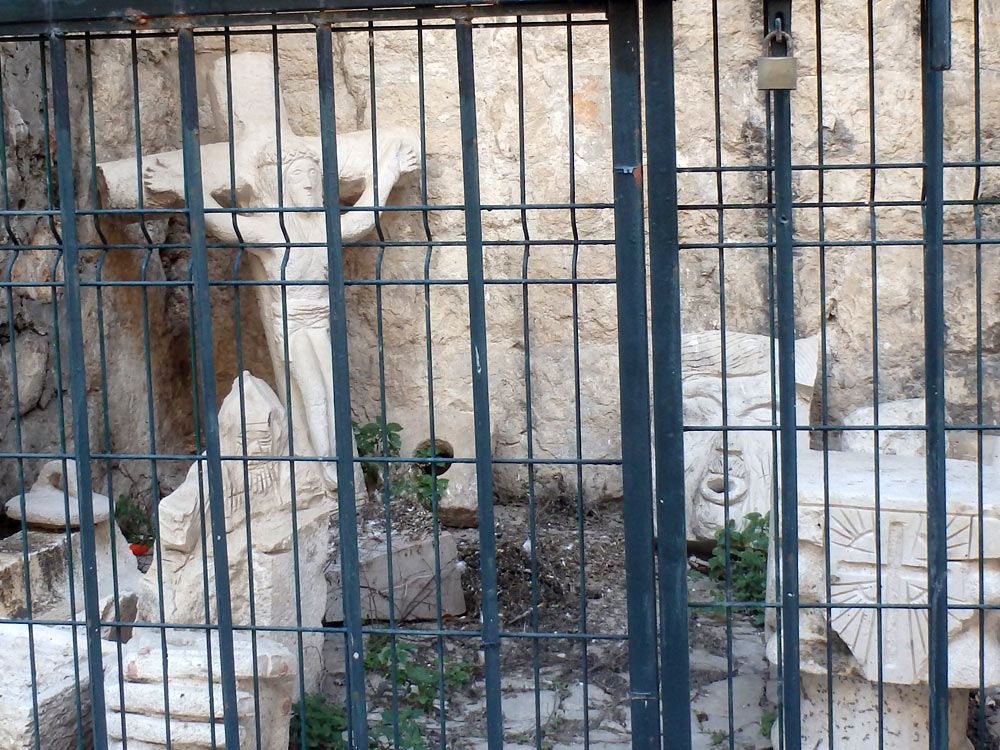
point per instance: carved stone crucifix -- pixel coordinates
(290, 247)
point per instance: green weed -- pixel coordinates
(747, 561)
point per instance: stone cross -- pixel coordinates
(903, 579)
(838, 543)
(289, 247)
(901, 568)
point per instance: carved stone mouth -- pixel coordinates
(714, 486)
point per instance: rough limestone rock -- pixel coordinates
(60, 679)
(31, 352)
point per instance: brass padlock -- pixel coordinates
(777, 73)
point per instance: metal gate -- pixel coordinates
(536, 470)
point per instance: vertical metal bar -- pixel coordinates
(668, 394)
(824, 372)
(977, 213)
(633, 355)
(785, 298)
(71, 562)
(13, 244)
(429, 358)
(343, 432)
(577, 393)
(480, 381)
(876, 455)
(78, 385)
(939, 30)
(528, 396)
(285, 339)
(241, 386)
(194, 201)
(937, 573)
(725, 432)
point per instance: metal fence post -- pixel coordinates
(78, 385)
(777, 15)
(344, 436)
(480, 381)
(935, 57)
(668, 394)
(194, 201)
(633, 349)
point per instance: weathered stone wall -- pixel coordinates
(551, 104)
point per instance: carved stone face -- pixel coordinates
(261, 420)
(303, 183)
(736, 468)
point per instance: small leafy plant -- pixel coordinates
(417, 678)
(325, 724)
(382, 734)
(376, 438)
(135, 523)
(747, 560)
(767, 720)
(404, 479)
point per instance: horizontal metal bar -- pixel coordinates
(367, 630)
(405, 19)
(188, 13)
(349, 282)
(325, 459)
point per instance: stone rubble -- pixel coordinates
(414, 589)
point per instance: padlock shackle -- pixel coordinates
(777, 35)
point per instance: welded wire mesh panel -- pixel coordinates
(841, 229)
(324, 334)
(335, 307)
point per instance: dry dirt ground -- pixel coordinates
(563, 693)
(557, 692)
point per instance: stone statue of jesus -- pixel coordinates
(291, 248)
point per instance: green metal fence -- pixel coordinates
(457, 259)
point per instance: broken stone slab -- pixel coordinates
(187, 652)
(134, 744)
(53, 501)
(60, 680)
(572, 705)
(711, 709)
(850, 505)
(50, 557)
(414, 581)
(46, 556)
(519, 714)
(188, 699)
(184, 735)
